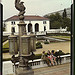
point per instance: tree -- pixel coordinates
(64, 14)
(58, 17)
(67, 22)
(57, 21)
(56, 25)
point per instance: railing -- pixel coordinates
(38, 33)
(51, 31)
(38, 63)
(7, 34)
(9, 68)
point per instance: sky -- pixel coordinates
(34, 7)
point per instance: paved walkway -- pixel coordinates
(55, 70)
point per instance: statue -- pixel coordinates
(20, 7)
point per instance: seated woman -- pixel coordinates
(54, 58)
(48, 53)
(50, 57)
(45, 58)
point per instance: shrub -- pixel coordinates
(46, 42)
(8, 59)
(5, 50)
(38, 45)
(58, 34)
(37, 56)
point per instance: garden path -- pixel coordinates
(64, 46)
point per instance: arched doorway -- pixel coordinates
(36, 27)
(44, 28)
(29, 27)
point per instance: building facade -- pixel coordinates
(38, 24)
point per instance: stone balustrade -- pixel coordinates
(9, 68)
(38, 63)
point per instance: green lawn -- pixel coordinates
(6, 48)
(62, 37)
(6, 45)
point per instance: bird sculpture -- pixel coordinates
(20, 7)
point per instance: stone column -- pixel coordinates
(24, 51)
(24, 43)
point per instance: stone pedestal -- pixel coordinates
(22, 71)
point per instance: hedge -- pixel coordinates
(38, 45)
(5, 50)
(37, 56)
(7, 59)
(57, 34)
(46, 42)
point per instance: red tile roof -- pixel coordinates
(33, 17)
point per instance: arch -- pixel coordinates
(29, 27)
(13, 29)
(36, 27)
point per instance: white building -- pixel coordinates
(38, 24)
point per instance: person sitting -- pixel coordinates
(54, 58)
(48, 53)
(50, 57)
(45, 58)
(57, 54)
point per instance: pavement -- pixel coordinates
(63, 69)
(55, 70)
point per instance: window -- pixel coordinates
(36, 27)
(44, 22)
(13, 23)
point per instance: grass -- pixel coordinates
(6, 48)
(62, 37)
(6, 45)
